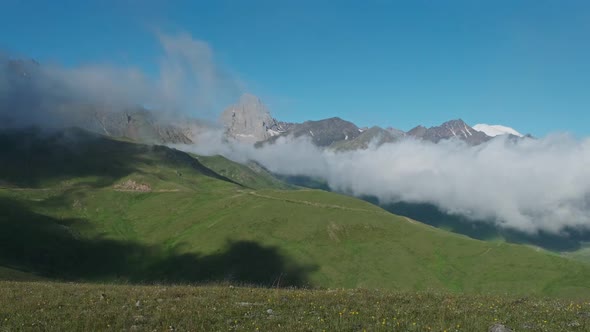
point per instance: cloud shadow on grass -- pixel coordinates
(49, 247)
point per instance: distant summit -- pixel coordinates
(32, 97)
(496, 130)
(250, 121)
(325, 132)
(450, 129)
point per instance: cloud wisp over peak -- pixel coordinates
(190, 83)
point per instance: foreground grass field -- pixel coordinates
(85, 307)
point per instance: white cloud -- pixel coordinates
(190, 83)
(531, 185)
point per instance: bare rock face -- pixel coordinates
(323, 133)
(250, 121)
(138, 124)
(374, 135)
(131, 185)
(451, 129)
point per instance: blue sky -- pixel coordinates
(525, 64)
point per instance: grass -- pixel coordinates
(250, 175)
(583, 254)
(323, 239)
(210, 220)
(96, 307)
(16, 275)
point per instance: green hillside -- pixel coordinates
(582, 254)
(76, 206)
(16, 275)
(251, 175)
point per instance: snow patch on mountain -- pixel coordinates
(496, 130)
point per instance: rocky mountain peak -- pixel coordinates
(249, 120)
(451, 129)
(458, 128)
(454, 123)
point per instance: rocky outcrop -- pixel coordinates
(131, 185)
(396, 132)
(374, 135)
(250, 121)
(325, 132)
(137, 124)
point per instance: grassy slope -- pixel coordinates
(16, 275)
(583, 254)
(196, 225)
(86, 307)
(252, 175)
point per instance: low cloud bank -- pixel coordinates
(529, 185)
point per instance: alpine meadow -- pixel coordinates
(258, 166)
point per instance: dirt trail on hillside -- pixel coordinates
(88, 187)
(486, 251)
(315, 204)
(410, 220)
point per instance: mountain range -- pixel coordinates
(248, 120)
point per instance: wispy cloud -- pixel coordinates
(190, 77)
(190, 83)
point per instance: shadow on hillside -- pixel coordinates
(431, 215)
(34, 157)
(48, 247)
(241, 261)
(304, 181)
